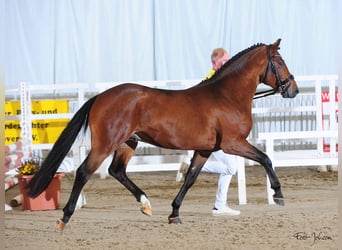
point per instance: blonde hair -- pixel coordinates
(217, 53)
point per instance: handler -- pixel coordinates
(226, 164)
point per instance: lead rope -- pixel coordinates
(264, 93)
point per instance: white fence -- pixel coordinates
(273, 118)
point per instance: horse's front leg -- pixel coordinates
(278, 197)
(245, 149)
(117, 169)
(196, 165)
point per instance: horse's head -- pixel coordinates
(277, 74)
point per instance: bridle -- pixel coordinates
(282, 85)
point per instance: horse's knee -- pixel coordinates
(266, 161)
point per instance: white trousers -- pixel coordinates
(226, 165)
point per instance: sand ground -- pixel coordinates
(112, 220)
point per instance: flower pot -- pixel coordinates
(47, 200)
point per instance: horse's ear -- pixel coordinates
(275, 45)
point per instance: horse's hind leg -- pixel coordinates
(196, 165)
(83, 173)
(118, 170)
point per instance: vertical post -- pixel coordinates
(25, 119)
(332, 116)
(339, 82)
(319, 113)
(241, 181)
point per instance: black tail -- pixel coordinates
(49, 167)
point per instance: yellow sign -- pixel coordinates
(43, 131)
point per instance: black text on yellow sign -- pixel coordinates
(43, 131)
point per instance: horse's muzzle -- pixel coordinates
(291, 90)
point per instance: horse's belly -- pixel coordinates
(180, 139)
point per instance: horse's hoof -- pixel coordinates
(60, 225)
(145, 206)
(279, 201)
(175, 220)
(146, 211)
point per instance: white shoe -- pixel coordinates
(322, 168)
(183, 168)
(225, 211)
(333, 168)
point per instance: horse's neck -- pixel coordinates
(242, 90)
(244, 76)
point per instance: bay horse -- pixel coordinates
(214, 114)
